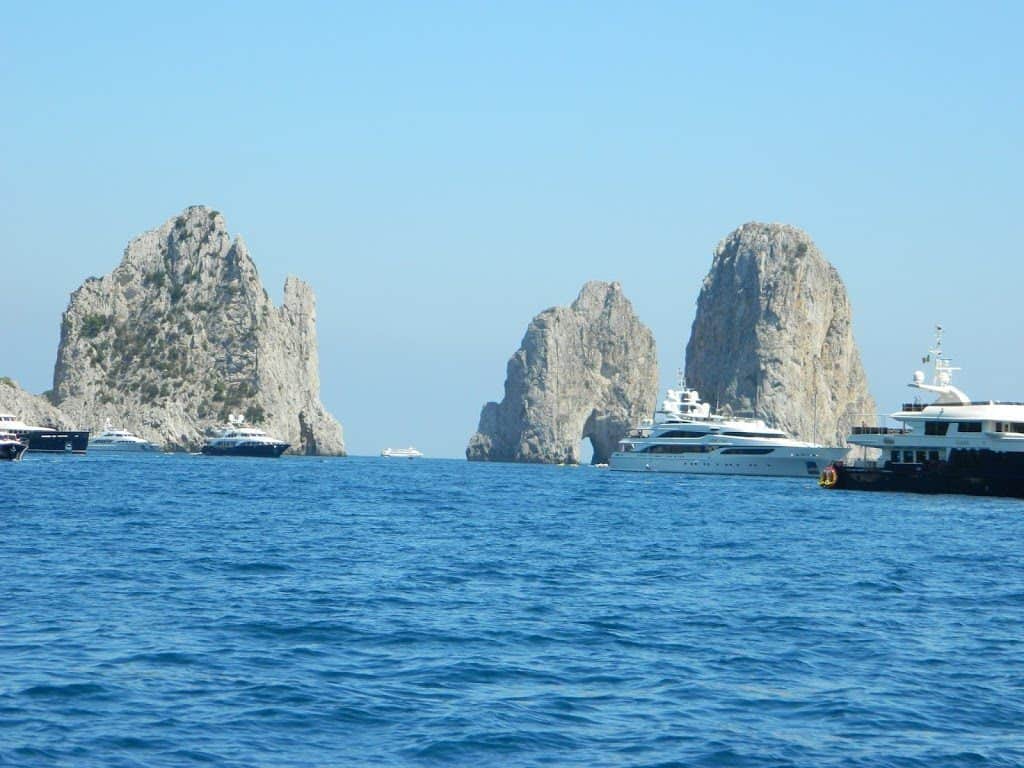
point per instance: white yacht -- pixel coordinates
(120, 440)
(951, 445)
(401, 453)
(45, 439)
(236, 439)
(685, 436)
(11, 448)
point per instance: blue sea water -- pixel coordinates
(182, 610)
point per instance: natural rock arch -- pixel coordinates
(588, 371)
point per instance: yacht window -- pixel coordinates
(755, 434)
(921, 457)
(657, 448)
(933, 455)
(936, 427)
(908, 457)
(682, 433)
(969, 426)
(748, 451)
(1017, 427)
(895, 456)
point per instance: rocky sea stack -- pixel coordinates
(585, 371)
(182, 333)
(773, 334)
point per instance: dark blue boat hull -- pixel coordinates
(59, 441)
(259, 450)
(967, 472)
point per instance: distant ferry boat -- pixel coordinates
(238, 440)
(120, 440)
(952, 445)
(401, 453)
(45, 439)
(684, 436)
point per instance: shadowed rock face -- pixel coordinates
(182, 333)
(773, 332)
(585, 371)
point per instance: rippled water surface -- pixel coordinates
(181, 610)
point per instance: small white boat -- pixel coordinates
(401, 453)
(120, 440)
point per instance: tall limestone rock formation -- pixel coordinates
(586, 371)
(773, 333)
(182, 333)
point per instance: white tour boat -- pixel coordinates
(685, 436)
(401, 453)
(120, 440)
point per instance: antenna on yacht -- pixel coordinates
(944, 367)
(942, 382)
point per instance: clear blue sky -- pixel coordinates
(441, 172)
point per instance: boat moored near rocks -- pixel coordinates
(685, 436)
(45, 439)
(120, 441)
(236, 439)
(952, 445)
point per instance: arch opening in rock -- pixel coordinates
(586, 450)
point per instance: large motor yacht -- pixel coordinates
(46, 439)
(236, 439)
(120, 440)
(11, 448)
(952, 445)
(685, 436)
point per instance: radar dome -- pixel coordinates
(919, 377)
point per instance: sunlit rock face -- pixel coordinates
(34, 410)
(773, 334)
(585, 371)
(182, 333)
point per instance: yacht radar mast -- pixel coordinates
(942, 379)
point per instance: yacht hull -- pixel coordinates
(59, 441)
(11, 451)
(258, 450)
(788, 463)
(123, 448)
(967, 472)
